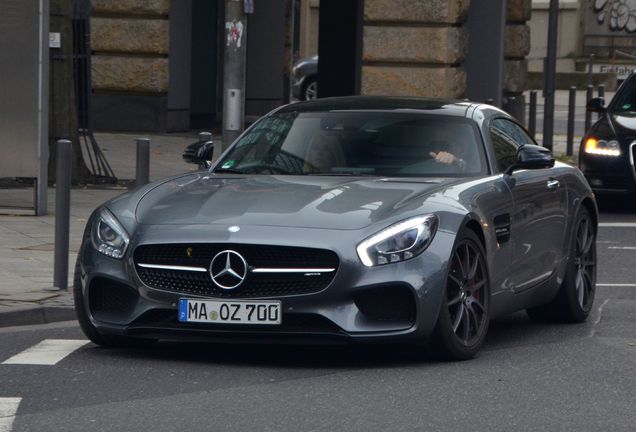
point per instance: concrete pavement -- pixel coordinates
(27, 242)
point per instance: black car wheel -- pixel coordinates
(574, 300)
(464, 316)
(87, 327)
(310, 89)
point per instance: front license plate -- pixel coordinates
(229, 312)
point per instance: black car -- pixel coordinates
(608, 149)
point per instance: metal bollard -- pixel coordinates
(205, 137)
(601, 90)
(601, 93)
(532, 116)
(142, 175)
(588, 115)
(571, 111)
(62, 214)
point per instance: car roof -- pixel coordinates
(383, 103)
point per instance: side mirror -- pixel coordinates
(532, 156)
(200, 153)
(596, 105)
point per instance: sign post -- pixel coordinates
(234, 63)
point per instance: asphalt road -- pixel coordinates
(529, 376)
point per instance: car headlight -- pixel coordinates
(399, 242)
(596, 146)
(108, 236)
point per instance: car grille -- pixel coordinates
(255, 285)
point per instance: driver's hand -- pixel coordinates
(444, 157)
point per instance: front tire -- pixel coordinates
(464, 315)
(574, 300)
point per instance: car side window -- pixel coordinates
(506, 138)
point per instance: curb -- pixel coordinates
(33, 315)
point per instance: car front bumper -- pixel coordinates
(610, 175)
(350, 309)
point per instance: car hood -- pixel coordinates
(290, 201)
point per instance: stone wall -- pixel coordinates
(516, 47)
(418, 47)
(414, 48)
(130, 40)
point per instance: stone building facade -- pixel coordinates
(157, 64)
(409, 47)
(130, 41)
(418, 47)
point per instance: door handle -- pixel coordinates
(553, 184)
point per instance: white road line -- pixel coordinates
(598, 319)
(46, 353)
(622, 247)
(615, 285)
(8, 408)
(617, 224)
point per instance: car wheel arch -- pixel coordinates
(589, 204)
(475, 226)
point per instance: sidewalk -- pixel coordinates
(27, 242)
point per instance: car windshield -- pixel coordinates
(358, 143)
(625, 101)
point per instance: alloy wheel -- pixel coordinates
(585, 263)
(466, 294)
(311, 91)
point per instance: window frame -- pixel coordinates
(491, 125)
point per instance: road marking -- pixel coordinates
(8, 408)
(598, 319)
(622, 247)
(616, 285)
(617, 224)
(47, 353)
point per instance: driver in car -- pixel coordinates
(445, 148)
(323, 154)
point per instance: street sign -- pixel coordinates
(622, 70)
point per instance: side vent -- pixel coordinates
(502, 228)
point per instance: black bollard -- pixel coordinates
(142, 175)
(571, 112)
(62, 213)
(532, 116)
(588, 115)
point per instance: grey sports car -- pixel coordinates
(360, 219)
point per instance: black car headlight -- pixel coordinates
(108, 236)
(594, 146)
(399, 242)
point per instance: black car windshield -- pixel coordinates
(358, 143)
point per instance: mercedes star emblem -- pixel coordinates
(228, 269)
